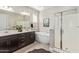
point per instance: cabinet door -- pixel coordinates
(31, 36)
(14, 43)
(3, 44)
(21, 38)
(11, 41)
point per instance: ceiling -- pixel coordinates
(41, 8)
(25, 10)
(30, 9)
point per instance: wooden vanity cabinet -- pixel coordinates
(14, 42)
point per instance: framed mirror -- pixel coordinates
(46, 22)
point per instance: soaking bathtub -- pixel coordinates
(42, 37)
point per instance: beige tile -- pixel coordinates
(35, 45)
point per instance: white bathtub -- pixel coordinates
(42, 37)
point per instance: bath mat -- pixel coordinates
(39, 51)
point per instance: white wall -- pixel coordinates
(42, 16)
(49, 13)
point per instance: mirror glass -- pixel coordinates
(46, 22)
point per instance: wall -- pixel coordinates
(44, 14)
(49, 13)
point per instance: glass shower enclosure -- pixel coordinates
(67, 30)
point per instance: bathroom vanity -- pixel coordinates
(10, 42)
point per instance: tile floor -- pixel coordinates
(31, 47)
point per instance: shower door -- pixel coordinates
(70, 27)
(67, 30)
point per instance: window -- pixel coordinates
(35, 21)
(34, 18)
(3, 21)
